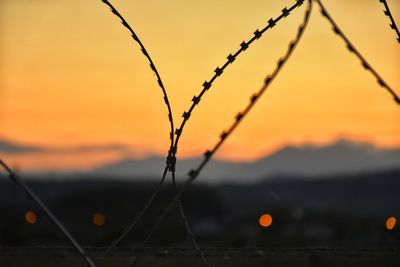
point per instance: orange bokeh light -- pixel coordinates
(265, 220)
(99, 219)
(390, 223)
(30, 217)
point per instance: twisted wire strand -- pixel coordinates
(353, 50)
(392, 23)
(194, 173)
(170, 160)
(20, 182)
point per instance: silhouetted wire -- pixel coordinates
(352, 49)
(392, 23)
(171, 158)
(189, 233)
(15, 178)
(152, 66)
(154, 69)
(139, 215)
(218, 71)
(193, 174)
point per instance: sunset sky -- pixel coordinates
(70, 75)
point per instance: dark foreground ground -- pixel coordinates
(217, 257)
(327, 221)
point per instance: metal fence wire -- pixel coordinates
(171, 157)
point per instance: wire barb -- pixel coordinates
(392, 23)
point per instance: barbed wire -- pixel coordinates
(392, 23)
(171, 136)
(206, 86)
(152, 65)
(171, 159)
(175, 135)
(230, 59)
(21, 183)
(194, 173)
(353, 50)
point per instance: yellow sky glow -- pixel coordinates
(70, 74)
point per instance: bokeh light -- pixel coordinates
(265, 220)
(30, 217)
(99, 219)
(391, 223)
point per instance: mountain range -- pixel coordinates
(338, 158)
(342, 157)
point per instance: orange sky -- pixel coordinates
(70, 74)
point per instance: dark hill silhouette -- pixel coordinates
(342, 157)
